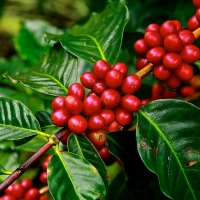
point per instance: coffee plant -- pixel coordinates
(107, 110)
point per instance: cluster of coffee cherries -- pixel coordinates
(23, 190)
(109, 106)
(170, 49)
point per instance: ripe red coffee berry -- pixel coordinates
(197, 14)
(98, 138)
(27, 183)
(99, 87)
(130, 102)
(122, 67)
(131, 84)
(141, 62)
(96, 122)
(101, 68)
(104, 153)
(172, 61)
(32, 194)
(57, 103)
(145, 101)
(43, 177)
(91, 105)
(88, 79)
(110, 98)
(190, 53)
(187, 91)
(78, 90)
(60, 117)
(196, 3)
(42, 197)
(114, 78)
(170, 94)
(141, 47)
(113, 126)
(193, 23)
(157, 88)
(168, 27)
(187, 37)
(161, 72)
(153, 27)
(108, 115)
(184, 72)
(178, 25)
(8, 197)
(172, 43)
(77, 124)
(73, 105)
(153, 39)
(64, 140)
(155, 55)
(173, 82)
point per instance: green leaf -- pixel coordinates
(100, 38)
(81, 146)
(3, 171)
(72, 177)
(16, 121)
(168, 142)
(53, 74)
(29, 42)
(44, 118)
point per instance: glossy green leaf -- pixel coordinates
(72, 177)
(168, 139)
(44, 118)
(100, 38)
(52, 75)
(16, 121)
(81, 146)
(29, 41)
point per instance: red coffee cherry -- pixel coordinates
(122, 67)
(60, 117)
(114, 78)
(91, 105)
(187, 91)
(16, 190)
(104, 153)
(184, 72)
(27, 183)
(170, 94)
(88, 79)
(99, 87)
(172, 61)
(108, 115)
(161, 72)
(197, 14)
(145, 101)
(178, 25)
(57, 103)
(96, 122)
(77, 124)
(190, 53)
(196, 3)
(32, 194)
(153, 39)
(141, 47)
(63, 141)
(78, 90)
(187, 37)
(122, 116)
(141, 62)
(8, 197)
(155, 55)
(101, 68)
(168, 27)
(73, 105)
(153, 27)
(130, 102)
(42, 197)
(193, 23)
(110, 98)
(113, 126)
(173, 82)
(157, 88)
(172, 43)
(43, 177)
(98, 138)
(131, 84)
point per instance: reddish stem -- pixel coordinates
(20, 170)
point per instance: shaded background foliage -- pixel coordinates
(22, 25)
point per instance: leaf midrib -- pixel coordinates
(171, 147)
